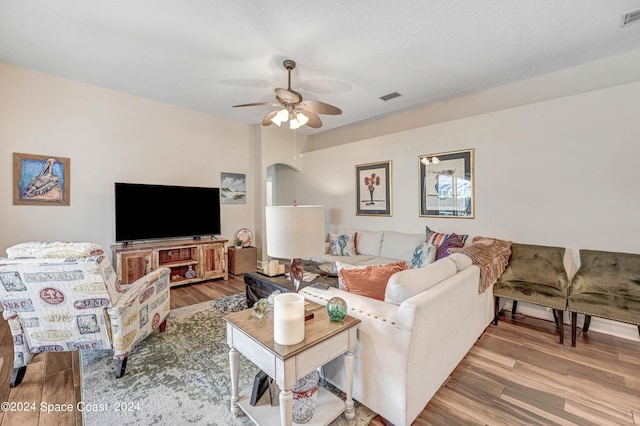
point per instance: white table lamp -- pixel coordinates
(294, 232)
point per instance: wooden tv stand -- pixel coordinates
(190, 261)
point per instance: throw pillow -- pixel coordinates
(437, 238)
(452, 241)
(424, 254)
(343, 244)
(370, 281)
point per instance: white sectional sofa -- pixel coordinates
(410, 343)
(377, 247)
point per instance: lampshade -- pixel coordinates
(295, 231)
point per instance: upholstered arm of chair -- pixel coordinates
(54, 304)
(140, 310)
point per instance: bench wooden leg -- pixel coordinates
(514, 307)
(496, 310)
(560, 325)
(587, 322)
(574, 321)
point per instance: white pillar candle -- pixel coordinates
(273, 268)
(288, 318)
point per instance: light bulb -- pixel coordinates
(424, 161)
(435, 160)
(283, 114)
(276, 120)
(302, 119)
(293, 124)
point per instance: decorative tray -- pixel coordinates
(330, 268)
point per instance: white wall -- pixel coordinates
(110, 136)
(559, 172)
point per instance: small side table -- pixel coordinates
(323, 341)
(242, 260)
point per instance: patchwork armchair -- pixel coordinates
(66, 296)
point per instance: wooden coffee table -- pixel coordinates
(323, 341)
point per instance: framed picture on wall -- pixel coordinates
(446, 184)
(233, 188)
(373, 189)
(41, 180)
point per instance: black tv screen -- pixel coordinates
(146, 212)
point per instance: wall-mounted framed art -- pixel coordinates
(447, 184)
(41, 180)
(373, 189)
(233, 188)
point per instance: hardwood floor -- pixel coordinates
(516, 373)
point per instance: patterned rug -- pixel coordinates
(180, 376)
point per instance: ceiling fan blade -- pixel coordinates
(286, 96)
(257, 104)
(314, 120)
(267, 118)
(320, 107)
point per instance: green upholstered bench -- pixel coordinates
(537, 275)
(607, 285)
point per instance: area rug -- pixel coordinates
(177, 377)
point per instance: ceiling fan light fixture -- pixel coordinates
(292, 103)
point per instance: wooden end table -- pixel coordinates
(323, 341)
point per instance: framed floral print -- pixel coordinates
(373, 189)
(446, 184)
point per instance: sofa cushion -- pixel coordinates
(424, 254)
(452, 241)
(399, 245)
(343, 244)
(370, 281)
(406, 284)
(367, 242)
(438, 238)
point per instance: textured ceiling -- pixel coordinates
(210, 55)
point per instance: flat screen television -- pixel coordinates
(149, 212)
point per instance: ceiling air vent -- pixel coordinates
(390, 96)
(632, 17)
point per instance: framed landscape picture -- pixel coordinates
(373, 188)
(233, 188)
(41, 180)
(446, 184)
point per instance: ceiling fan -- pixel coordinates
(293, 108)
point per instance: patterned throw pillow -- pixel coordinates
(452, 241)
(437, 238)
(370, 281)
(343, 244)
(424, 254)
